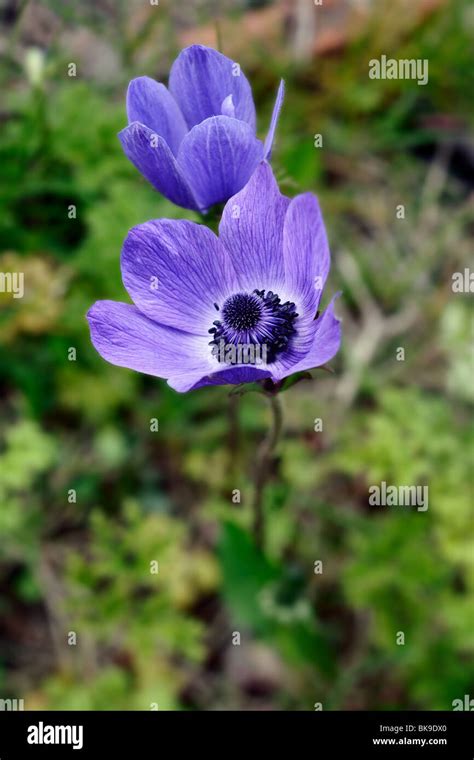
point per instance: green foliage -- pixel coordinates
(128, 594)
(412, 569)
(116, 591)
(27, 453)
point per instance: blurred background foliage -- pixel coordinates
(91, 498)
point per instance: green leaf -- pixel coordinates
(289, 382)
(246, 573)
(257, 592)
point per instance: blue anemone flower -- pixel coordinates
(238, 308)
(195, 141)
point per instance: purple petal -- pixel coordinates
(151, 104)
(218, 157)
(267, 150)
(175, 271)
(154, 159)
(299, 346)
(228, 376)
(305, 250)
(251, 229)
(123, 336)
(326, 344)
(201, 79)
(227, 107)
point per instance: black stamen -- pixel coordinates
(256, 319)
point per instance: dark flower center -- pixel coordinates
(257, 321)
(242, 311)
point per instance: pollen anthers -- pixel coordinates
(257, 319)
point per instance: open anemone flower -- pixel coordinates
(238, 308)
(195, 141)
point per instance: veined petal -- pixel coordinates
(123, 336)
(251, 229)
(150, 103)
(305, 250)
(227, 376)
(175, 271)
(200, 80)
(326, 344)
(153, 158)
(267, 150)
(218, 157)
(297, 348)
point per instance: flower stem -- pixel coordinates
(234, 434)
(264, 460)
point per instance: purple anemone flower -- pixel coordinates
(238, 308)
(195, 141)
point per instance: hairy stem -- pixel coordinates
(264, 460)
